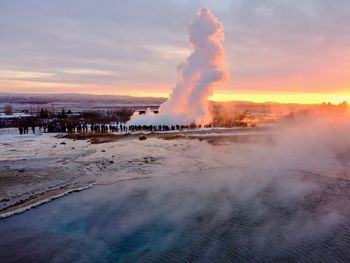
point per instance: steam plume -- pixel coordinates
(203, 70)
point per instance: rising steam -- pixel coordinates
(203, 70)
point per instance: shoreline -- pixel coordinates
(34, 202)
(52, 195)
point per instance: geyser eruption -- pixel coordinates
(197, 77)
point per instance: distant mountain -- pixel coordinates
(75, 97)
(85, 102)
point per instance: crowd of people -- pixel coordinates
(24, 129)
(77, 127)
(71, 127)
(68, 127)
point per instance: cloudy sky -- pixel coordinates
(277, 50)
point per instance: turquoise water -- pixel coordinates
(188, 219)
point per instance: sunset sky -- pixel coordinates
(277, 50)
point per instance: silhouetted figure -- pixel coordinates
(20, 129)
(33, 128)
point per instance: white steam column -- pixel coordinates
(203, 70)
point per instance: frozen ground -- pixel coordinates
(36, 168)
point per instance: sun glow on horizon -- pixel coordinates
(162, 90)
(281, 97)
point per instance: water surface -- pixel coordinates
(294, 218)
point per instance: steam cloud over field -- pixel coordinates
(266, 195)
(203, 70)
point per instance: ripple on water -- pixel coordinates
(187, 220)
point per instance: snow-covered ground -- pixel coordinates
(35, 168)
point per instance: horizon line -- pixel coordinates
(159, 97)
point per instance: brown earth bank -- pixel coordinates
(213, 136)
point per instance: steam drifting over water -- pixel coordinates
(197, 77)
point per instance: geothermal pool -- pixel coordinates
(213, 217)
